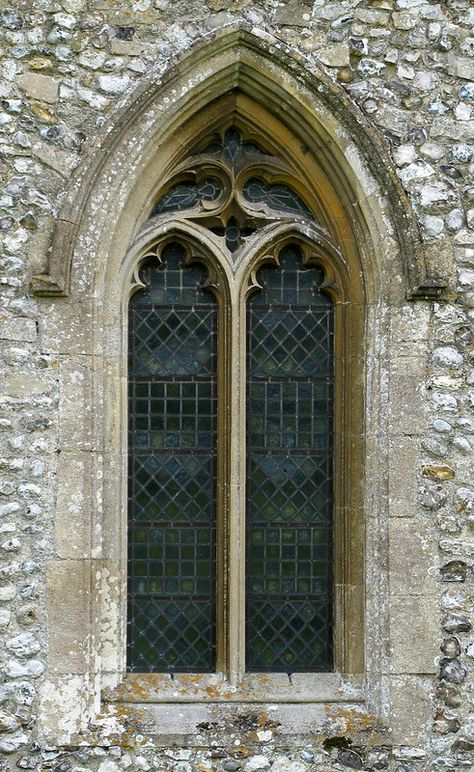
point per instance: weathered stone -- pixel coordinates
(447, 356)
(464, 500)
(449, 694)
(5, 617)
(8, 722)
(461, 67)
(257, 762)
(231, 765)
(463, 745)
(456, 623)
(452, 670)
(433, 225)
(7, 593)
(345, 75)
(445, 724)
(433, 496)
(451, 647)
(285, 764)
(369, 67)
(436, 193)
(108, 766)
(13, 742)
(126, 48)
(31, 669)
(454, 571)
(41, 87)
(439, 472)
(27, 762)
(350, 759)
(24, 645)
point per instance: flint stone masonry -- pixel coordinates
(69, 70)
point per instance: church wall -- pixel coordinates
(407, 68)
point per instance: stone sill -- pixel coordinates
(256, 688)
(246, 726)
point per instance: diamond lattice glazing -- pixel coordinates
(289, 470)
(172, 467)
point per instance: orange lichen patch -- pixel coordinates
(190, 678)
(185, 687)
(217, 692)
(138, 689)
(351, 721)
(441, 472)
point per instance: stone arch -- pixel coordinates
(329, 126)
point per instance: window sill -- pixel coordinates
(195, 710)
(150, 688)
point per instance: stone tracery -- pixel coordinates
(233, 188)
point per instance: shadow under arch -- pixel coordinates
(147, 126)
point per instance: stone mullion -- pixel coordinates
(236, 484)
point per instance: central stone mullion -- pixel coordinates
(236, 483)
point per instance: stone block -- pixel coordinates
(412, 558)
(413, 633)
(66, 705)
(66, 328)
(402, 482)
(79, 395)
(126, 47)
(407, 406)
(403, 20)
(24, 384)
(461, 66)
(76, 504)
(293, 16)
(41, 87)
(410, 710)
(409, 329)
(18, 329)
(113, 629)
(460, 131)
(336, 56)
(69, 589)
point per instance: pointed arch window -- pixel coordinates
(232, 469)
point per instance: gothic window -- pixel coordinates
(231, 389)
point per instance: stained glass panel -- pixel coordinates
(172, 469)
(289, 470)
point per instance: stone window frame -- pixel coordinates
(103, 210)
(232, 281)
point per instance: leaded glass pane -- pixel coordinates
(172, 469)
(278, 196)
(289, 470)
(186, 195)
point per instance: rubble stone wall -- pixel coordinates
(407, 67)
